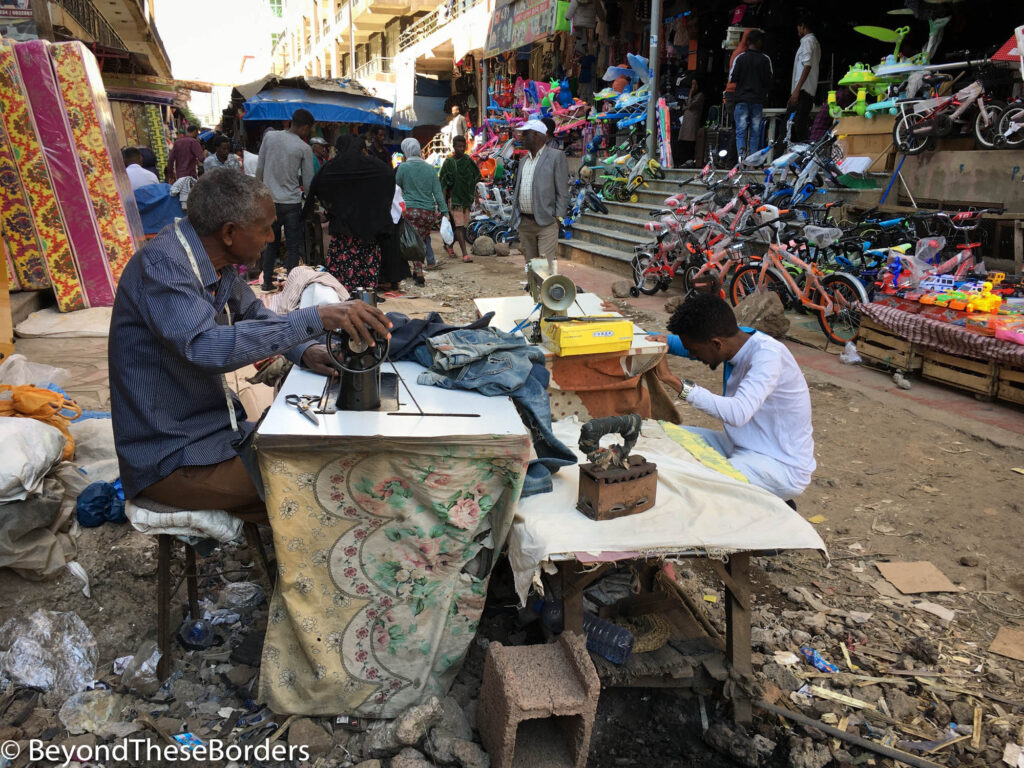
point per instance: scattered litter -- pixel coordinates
(817, 519)
(187, 739)
(48, 650)
(825, 693)
(786, 658)
(1009, 642)
(912, 578)
(816, 660)
(849, 355)
(710, 598)
(139, 671)
(1013, 755)
(900, 380)
(946, 614)
(101, 712)
(243, 596)
(1018, 470)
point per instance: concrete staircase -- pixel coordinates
(607, 241)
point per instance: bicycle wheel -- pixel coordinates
(688, 273)
(903, 136)
(745, 282)
(1011, 120)
(843, 324)
(595, 202)
(645, 276)
(987, 134)
(621, 194)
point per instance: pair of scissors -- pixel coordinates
(303, 402)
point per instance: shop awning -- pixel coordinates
(327, 107)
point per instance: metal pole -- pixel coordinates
(652, 98)
(484, 97)
(351, 42)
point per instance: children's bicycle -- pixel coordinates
(831, 297)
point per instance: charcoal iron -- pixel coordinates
(614, 483)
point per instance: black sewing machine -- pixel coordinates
(362, 386)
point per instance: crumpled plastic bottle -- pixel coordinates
(197, 634)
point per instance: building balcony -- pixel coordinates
(426, 26)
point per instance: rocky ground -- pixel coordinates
(915, 671)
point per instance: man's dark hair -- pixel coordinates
(192, 129)
(132, 155)
(805, 20)
(302, 118)
(459, 138)
(756, 37)
(221, 196)
(217, 142)
(550, 124)
(699, 318)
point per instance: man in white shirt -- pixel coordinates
(137, 175)
(766, 408)
(805, 78)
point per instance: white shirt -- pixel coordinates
(249, 162)
(766, 407)
(809, 53)
(140, 177)
(526, 166)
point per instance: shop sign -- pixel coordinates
(16, 20)
(520, 23)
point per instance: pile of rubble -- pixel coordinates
(853, 654)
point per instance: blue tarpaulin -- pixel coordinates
(280, 103)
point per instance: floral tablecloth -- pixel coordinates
(383, 550)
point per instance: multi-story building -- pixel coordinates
(114, 29)
(382, 43)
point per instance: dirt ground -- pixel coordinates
(893, 482)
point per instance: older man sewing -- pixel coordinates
(183, 318)
(765, 408)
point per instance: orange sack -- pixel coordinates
(45, 405)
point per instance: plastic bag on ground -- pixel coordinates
(16, 370)
(102, 712)
(31, 450)
(51, 651)
(139, 673)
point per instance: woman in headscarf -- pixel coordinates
(424, 200)
(357, 192)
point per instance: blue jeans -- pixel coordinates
(289, 216)
(761, 470)
(430, 252)
(748, 120)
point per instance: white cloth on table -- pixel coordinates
(696, 509)
(294, 290)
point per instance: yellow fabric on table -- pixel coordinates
(701, 451)
(45, 405)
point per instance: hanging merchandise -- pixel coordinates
(664, 134)
(157, 138)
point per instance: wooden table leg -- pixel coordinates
(163, 606)
(572, 599)
(737, 624)
(192, 583)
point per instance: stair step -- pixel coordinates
(593, 255)
(626, 224)
(621, 241)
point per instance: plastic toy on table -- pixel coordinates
(986, 301)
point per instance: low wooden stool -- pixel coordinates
(164, 592)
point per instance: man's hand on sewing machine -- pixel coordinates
(356, 318)
(608, 305)
(659, 338)
(316, 359)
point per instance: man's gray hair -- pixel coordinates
(224, 195)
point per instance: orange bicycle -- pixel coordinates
(832, 297)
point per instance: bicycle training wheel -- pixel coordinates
(843, 324)
(1012, 118)
(988, 134)
(645, 275)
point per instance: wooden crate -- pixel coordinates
(1011, 385)
(961, 372)
(861, 137)
(880, 346)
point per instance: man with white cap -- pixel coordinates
(542, 194)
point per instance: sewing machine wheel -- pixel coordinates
(352, 355)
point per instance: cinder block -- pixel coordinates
(537, 704)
